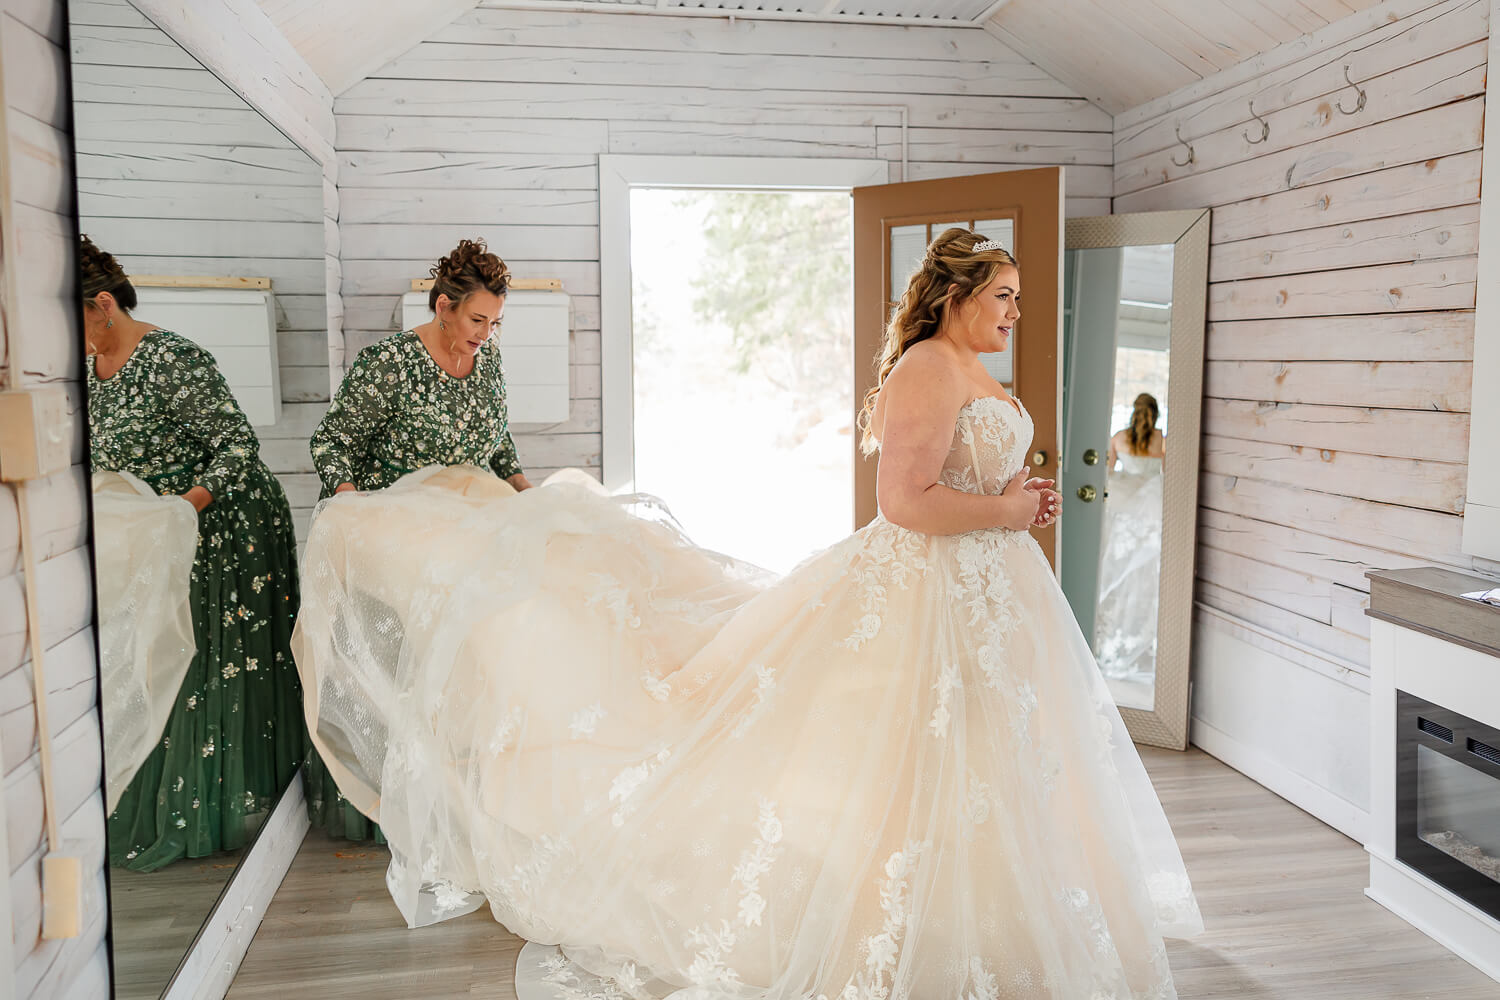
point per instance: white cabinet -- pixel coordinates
(534, 346)
(237, 326)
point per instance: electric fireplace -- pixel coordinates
(1448, 800)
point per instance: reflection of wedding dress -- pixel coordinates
(144, 562)
(893, 773)
(1130, 571)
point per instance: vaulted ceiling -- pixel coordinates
(1117, 53)
(1123, 53)
(346, 40)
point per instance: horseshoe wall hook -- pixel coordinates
(1265, 128)
(1191, 157)
(1359, 105)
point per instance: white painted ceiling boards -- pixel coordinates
(1117, 53)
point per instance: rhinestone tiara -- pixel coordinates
(988, 245)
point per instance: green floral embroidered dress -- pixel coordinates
(398, 411)
(236, 735)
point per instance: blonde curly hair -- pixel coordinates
(950, 272)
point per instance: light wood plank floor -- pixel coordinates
(1282, 897)
(154, 917)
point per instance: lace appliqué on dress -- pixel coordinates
(891, 556)
(709, 967)
(986, 589)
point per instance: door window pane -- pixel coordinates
(1003, 230)
(908, 246)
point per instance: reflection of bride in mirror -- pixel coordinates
(160, 412)
(1130, 569)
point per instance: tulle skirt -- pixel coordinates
(1130, 578)
(894, 772)
(143, 570)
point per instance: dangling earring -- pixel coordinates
(109, 324)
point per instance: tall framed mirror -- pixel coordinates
(203, 287)
(1135, 298)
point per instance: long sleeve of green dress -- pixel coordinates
(202, 405)
(505, 462)
(360, 408)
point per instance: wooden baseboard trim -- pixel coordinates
(1315, 800)
(210, 967)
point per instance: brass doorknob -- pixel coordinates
(1087, 493)
(1091, 457)
(1038, 459)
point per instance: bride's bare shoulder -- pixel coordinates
(926, 372)
(925, 381)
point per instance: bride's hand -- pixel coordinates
(1049, 509)
(1050, 505)
(1025, 503)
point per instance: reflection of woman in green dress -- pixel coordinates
(433, 395)
(159, 409)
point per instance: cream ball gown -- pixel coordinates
(893, 773)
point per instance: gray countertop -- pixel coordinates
(1428, 600)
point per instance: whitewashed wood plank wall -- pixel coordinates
(44, 343)
(1342, 283)
(239, 43)
(494, 125)
(179, 173)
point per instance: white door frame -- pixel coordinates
(617, 176)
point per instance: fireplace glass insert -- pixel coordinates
(1448, 800)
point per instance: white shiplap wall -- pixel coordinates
(42, 340)
(239, 43)
(1338, 383)
(177, 175)
(494, 125)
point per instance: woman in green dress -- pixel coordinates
(160, 410)
(432, 395)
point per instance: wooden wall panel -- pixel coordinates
(199, 183)
(40, 345)
(1342, 279)
(42, 339)
(494, 127)
(1339, 350)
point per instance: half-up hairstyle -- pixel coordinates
(102, 273)
(951, 260)
(468, 269)
(1142, 424)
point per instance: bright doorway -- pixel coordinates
(738, 317)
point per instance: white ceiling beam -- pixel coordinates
(649, 9)
(344, 42)
(991, 11)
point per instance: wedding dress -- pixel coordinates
(145, 545)
(893, 773)
(1130, 571)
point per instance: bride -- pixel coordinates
(893, 773)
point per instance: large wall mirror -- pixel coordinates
(1134, 294)
(203, 285)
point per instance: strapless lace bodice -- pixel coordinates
(989, 445)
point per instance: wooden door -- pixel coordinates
(893, 224)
